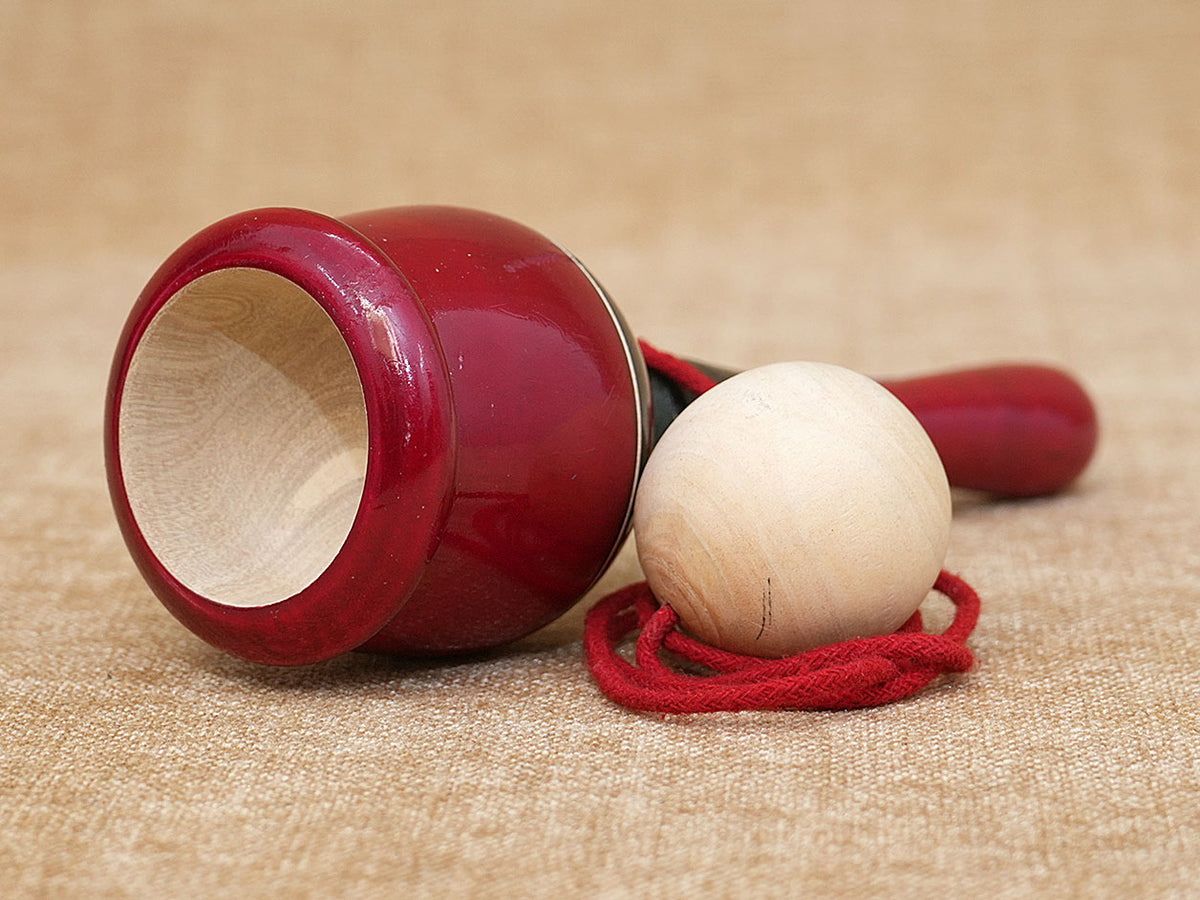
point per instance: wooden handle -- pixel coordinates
(1018, 430)
(1014, 430)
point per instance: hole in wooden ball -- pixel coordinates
(243, 437)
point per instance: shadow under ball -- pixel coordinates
(412, 431)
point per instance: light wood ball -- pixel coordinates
(790, 507)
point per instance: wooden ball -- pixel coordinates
(790, 507)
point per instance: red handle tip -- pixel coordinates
(1016, 430)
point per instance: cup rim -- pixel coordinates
(410, 433)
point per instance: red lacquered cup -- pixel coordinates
(412, 430)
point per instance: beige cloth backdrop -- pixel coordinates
(890, 186)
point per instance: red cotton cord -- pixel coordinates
(857, 673)
(678, 370)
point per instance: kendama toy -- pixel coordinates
(421, 430)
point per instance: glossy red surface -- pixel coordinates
(547, 428)
(504, 433)
(1015, 430)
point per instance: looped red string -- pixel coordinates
(848, 675)
(852, 674)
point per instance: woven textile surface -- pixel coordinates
(893, 187)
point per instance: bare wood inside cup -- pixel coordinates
(243, 437)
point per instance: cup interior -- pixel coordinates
(242, 437)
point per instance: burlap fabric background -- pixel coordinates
(893, 187)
